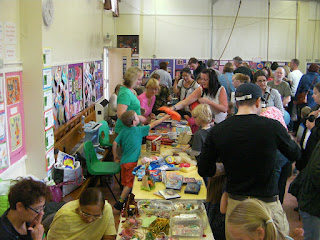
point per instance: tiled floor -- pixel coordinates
(290, 203)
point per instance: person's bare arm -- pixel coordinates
(175, 87)
(121, 109)
(114, 151)
(157, 122)
(222, 106)
(286, 101)
(194, 96)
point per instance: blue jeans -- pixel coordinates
(311, 226)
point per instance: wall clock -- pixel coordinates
(47, 12)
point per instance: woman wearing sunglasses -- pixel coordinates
(90, 217)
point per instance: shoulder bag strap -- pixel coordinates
(311, 85)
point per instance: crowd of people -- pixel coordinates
(241, 120)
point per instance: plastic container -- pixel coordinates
(152, 207)
(188, 206)
(186, 228)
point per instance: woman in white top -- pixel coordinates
(112, 106)
(211, 92)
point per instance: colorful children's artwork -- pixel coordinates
(75, 74)
(134, 62)
(129, 41)
(4, 161)
(15, 132)
(60, 94)
(1, 88)
(13, 89)
(2, 126)
(99, 80)
(89, 90)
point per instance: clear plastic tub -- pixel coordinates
(186, 228)
(189, 206)
(154, 206)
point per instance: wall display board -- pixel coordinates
(134, 62)
(149, 65)
(75, 81)
(12, 131)
(129, 41)
(99, 80)
(60, 95)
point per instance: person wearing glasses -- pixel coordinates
(90, 217)
(23, 219)
(127, 99)
(271, 96)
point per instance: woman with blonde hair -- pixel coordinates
(251, 219)
(148, 98)
(127, 99)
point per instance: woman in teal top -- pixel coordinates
(127, 99)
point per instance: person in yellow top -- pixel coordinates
(90, 217)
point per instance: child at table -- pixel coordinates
(202, 115)
(130, 139)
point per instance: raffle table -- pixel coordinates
(141, 194)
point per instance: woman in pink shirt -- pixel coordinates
(148, 98)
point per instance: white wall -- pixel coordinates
(76, 35)
(182, 28)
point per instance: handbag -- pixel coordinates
(70, 179)
(302, 98)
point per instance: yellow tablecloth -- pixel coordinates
(142, 194)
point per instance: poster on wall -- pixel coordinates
(49, 139)
(47, 99)
(75, 72)
(4, 160)
(1, 88)
(99, 80)
(50, 160)
(47, 78)
(60, 95)
(134, 62)
(13, 89)
(2, 126)
(48, 119)
(46, 57)
(89, 90)
(15, 127)
(129, 41)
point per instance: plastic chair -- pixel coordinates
(104, 135)
(98, 168)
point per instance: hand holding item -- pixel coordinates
(174, 115)
(203, 100)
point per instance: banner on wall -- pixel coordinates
(99, 80)
(60, 95)
(75, 74)
(89, 90)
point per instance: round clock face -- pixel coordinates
(47, 12)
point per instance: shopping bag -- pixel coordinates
(70, 178)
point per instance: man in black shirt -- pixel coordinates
(246, 144)
(240, 68)
(22, 221)
(196, 66)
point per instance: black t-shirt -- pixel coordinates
(8, 232)
(244, 70)
(247, 145)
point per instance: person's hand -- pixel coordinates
(203, 100)
(116, 159)
(152, 116)
(310, 125)
(36, 228)
(186, 117)
(299, 232)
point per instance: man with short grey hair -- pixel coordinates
(237, 61)
(282, 86)
(210, 65)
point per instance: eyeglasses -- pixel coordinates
(38, 211)
(87, 215)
